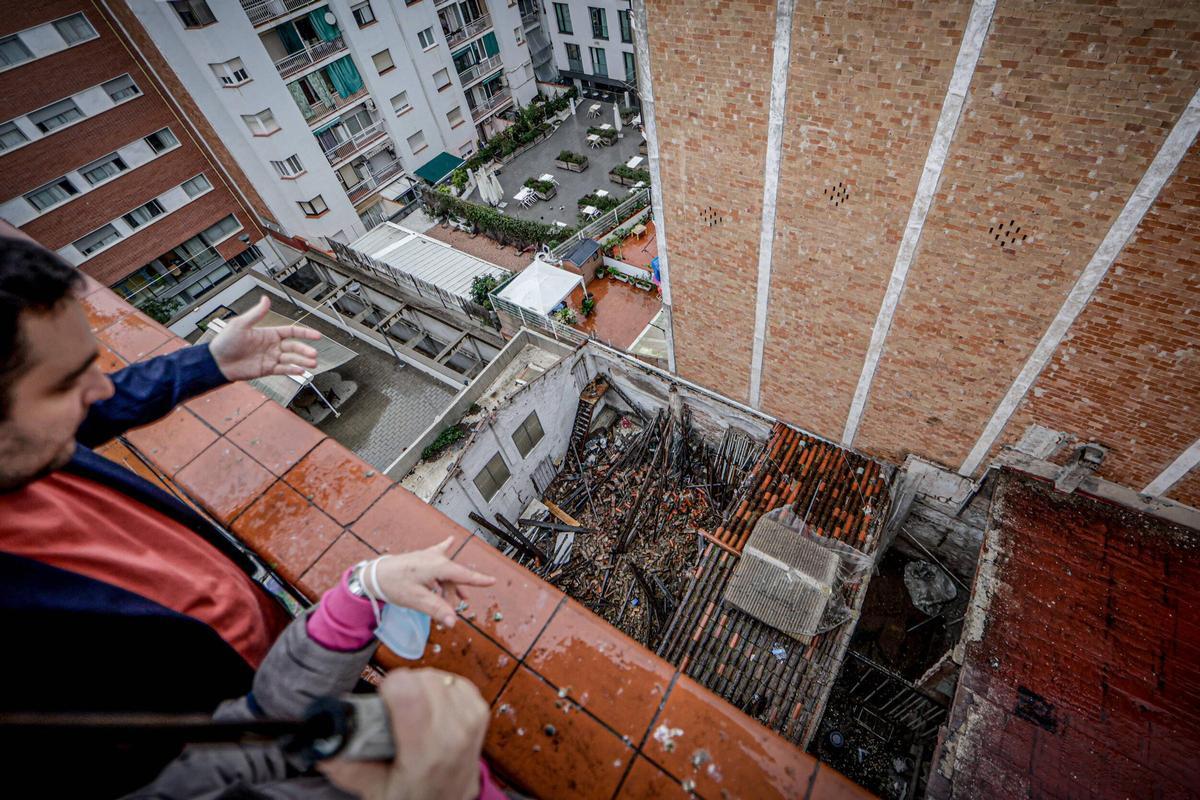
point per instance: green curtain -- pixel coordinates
(345, 77)
(489, 44)
(301, 101)
(326, 31)
(289, 38)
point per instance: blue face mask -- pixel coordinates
(404, 631)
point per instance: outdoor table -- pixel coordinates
(606, 127)
(639, 185)
(548, 178)
(590, 211)
(593, 140)
(594, 110)
(636, 121)
(634, 162)
(601, 193)
(638, 229)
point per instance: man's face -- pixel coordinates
(50, 397)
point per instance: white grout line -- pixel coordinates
(1165, 161)
(766, 239)
(641, 46)
(943, 135)
(1172, 474)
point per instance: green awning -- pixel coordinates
(439, 167)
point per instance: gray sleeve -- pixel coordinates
(295, 672)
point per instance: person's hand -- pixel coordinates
(427, 580)
(438, 723)
(243, 352)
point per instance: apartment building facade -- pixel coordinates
(593, 43)
(962, 234)
(97, 166)
(333, 107)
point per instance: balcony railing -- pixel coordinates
(376, 179)
(296, 62)
(492, 103)
(485, 67)
(261, 12)
(439, 3)
(321, 110)
(530, 19)
(355, 143)
(468, 31)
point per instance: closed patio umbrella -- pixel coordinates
(617, 117)
(497, 189)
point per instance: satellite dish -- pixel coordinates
(330, 19)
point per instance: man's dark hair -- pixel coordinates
(31, 279)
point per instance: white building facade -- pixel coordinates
(332, 107)
(593, 43)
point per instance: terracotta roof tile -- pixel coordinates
(400, 521)
(338, 481)
(173, 441)
(103, 307)
(224, 479)
(286, 530)
(465, 651)
(346, 551)
(133, 336)
(109, 361)
(272, 436)
(227, 406)
(647, 779)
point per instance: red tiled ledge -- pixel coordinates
(578, 709)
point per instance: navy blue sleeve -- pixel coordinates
(147, 391)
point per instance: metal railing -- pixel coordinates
(530, 19)
(477, 71)
(355, 143)
(375, 179)
(468, 31)
(604, 223)
(295, 62)
(487, 106)
(539, 322)
(322, 110)
(263, 11)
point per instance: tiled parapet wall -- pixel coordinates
(578, 709)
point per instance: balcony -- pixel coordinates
(375, 180)
(468, 31)
(531, 19)
(484, 108)
(355, 143)
(322, 110)
(299, 61)
(261, 12)
(477, 71)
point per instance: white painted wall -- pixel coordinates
(581, 24)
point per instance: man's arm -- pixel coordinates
(147, 391)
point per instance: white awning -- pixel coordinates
(540, 287)
(426, 259)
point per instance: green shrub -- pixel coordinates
(623, 171)
(459, 179)
(603, 203)
(161, 309)
(481, 287)
(608, 134)
(540, 186)
(504, 229)
(572, 158)
(444, 439)
(588, 305)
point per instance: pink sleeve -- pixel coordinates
(343, 622)
(488, 790)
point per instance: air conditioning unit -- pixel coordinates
(370, 104)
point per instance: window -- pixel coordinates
(13, 51)
(626, 28)
(51, 194)
(261, 124)
(630, 68)
(55, 115)
(289, 167)
(103, 169)
(454, 116)
(599, 22)
(224, 228)
(426, 39)
(193, 13)
(383, 61)
(441, 79)
(74, 28)
(562, 15)
(230, 73)
(121, 88)
(315, 207)
(519, 34)
(161, 140)
(416, 142)
(400, 103)
(363, 14)
(97, 240)
(143, 214)
(11, 136)
(493, 475)
(196, 186)
(574, 58)
(599, 61)
(528, 435)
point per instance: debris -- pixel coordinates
(780, 652)
(497, 617)
(667, 736)
(929, 587)
(550, 730)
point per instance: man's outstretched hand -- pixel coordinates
(243, 352)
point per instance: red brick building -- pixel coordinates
(97, 163)
(939, 230)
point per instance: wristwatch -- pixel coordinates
(355, 582)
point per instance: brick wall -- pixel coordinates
(1187, 490)
(864, 94)
(712, 84)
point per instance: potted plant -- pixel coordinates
(543, 189)
(601, 271)
(572, 162)
(588, 305)
(566, 315)
(626, 176)
(607, 135)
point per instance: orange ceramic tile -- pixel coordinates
(103, 307)
(276, 437)
(286, 530)
(228, 405)
(548, 747)
(611, 675)
(400, 521)
(338, 481)
(169, 346)
(109, 361)
(646, 780)
(516, 607)
(173, 441)
(347, 551)
(833, 785)
(224, 479)
(116, 451)
(463, 651)
(133, 336)
(699, 737)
